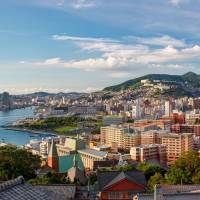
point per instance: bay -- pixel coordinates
(18, 138)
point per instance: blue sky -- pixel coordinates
(86, 45)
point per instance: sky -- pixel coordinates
(86, 45)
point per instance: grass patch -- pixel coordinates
(65, 129)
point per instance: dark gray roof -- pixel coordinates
(17, 189)
(186, 196)
(58, 192)
(174, 192)
(106, 179)
(173, 189)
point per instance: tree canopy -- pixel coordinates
(151, 169)
(157, 178)
(50, 178)
(16, 162)
(186, 170)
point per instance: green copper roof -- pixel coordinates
(66, 162)
(53, 150)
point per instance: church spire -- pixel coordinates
(53, 160)
(53, 150)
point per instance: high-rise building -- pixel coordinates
(119, 136)
(176, 144)
(150, 137)
(136, 110)
(6, 100)
(168, 108)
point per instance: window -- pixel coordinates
(115, 195)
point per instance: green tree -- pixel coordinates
(15, 162)
(150, 169)
(186, 169)
(50, 178)
(130, 120)
(196, 178)
(125, 168)
(157, 178)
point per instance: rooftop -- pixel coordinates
(17, 189)
(59, 192)
(93, 152)
(108, 178)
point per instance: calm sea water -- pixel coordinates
(16, 137)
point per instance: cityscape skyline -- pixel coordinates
(100, 99)
(86, 45)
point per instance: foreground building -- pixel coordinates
(172, 192)
(17, 189)
(120, 185)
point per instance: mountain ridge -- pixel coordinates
(189, 80)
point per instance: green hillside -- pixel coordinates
(189, 80)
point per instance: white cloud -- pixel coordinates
(50, 61)
(80, 39)
(107, 63)
(79, 4)
(118, 57)
(22, 62)
(172, 66)
(21, 90)
(91, 89)
(60, 3)
(176, 2)
(161, 41)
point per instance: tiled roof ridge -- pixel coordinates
(11, 183)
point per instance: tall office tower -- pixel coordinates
(6, 100)
(136, 110)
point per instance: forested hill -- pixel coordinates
(190, 79)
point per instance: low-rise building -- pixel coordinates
(89, 156)
(119, 185)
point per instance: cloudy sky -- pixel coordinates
(86, 45)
